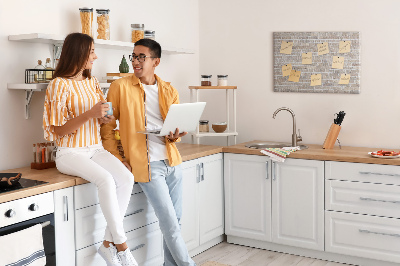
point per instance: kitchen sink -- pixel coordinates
(264, 145)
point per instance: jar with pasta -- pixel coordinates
(137, 32)
(103, 24)
(87, 20)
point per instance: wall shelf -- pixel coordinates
(106, 44)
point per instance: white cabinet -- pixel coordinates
(64, 226)
(203, 203)
(298, 203)
(247, 196)
(287, 201)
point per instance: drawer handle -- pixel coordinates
(377, 233)
(371, 173)
(138, 247)
(371, 199)
(138, 211)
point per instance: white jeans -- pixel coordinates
(113, 180)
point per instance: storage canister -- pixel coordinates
(137, 32)
(203, 126)
(103, 24)
(150, 34)
(87, 20)
(222, 80)
(206, 80)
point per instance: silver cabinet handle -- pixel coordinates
(273, 171)
(371, 199)
(202, 171)
(198, 173)
(65, 203)
(138, 247)
(377, 233)
(267, 175)
(372, 173)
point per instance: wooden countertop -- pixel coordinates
(315, 152)
(56, 180)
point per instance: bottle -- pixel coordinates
(43, 153)
(38, 153)
(137, 32)
(34, 153)
(39, 73)
(103, 24)
(49, 69)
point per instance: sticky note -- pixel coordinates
(344, 79)
(337, 62)
(316, 80)
(344, 47)
(294, 76)
(306, 58)
(286, 47)
(286, 69)
(323, 48)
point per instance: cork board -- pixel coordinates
(317, 62)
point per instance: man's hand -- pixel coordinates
(106, 119)
(173, 136)
(127, 165)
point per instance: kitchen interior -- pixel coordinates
(323, 204)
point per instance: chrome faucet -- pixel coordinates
(295, 138)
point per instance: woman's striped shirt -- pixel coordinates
(66, 99)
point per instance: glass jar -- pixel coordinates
(222, 80)
(150, 34)
(137, 32)
(39, 75)
(203, 126)
(206, 80)
(87, 20)
(103, 24)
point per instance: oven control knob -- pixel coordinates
(10, 213)
(33, 207)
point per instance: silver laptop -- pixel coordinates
(184, 116)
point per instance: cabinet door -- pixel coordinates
(298, 203)
(64, 226)
(190, 215)
(247, 196)
(211, 190)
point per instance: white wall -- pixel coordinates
(176, 23)
(236, 39)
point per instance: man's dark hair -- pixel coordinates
(155, 47)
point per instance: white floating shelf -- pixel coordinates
(213, 134)
(106, 44)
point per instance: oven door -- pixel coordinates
(48, 235)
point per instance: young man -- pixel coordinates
(141, 102)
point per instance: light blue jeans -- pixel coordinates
(164, 192)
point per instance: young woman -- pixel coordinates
(73, 111)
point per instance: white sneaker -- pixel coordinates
(127, 258)
(109, 255)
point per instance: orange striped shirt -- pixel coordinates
(66, 99)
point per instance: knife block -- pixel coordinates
(332, 136)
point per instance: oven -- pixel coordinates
(22, 213)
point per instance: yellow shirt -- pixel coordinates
(66, 99)
(128, 98)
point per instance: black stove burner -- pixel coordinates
(22, 183)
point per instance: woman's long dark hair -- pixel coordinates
(74, 55)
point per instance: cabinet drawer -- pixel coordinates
(363, 198)
(86, 195)
(363, 236)
(90, 223)
(44, 203)
(146, 244)
(372, 173)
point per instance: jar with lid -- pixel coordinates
(222, 80)
(87, 20)
(39, 75)
(203, 126)
(206, 80)
(150, 34)
(103, 24)
(137, 32)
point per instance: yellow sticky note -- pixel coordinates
(306, 58)
(337, 62)
(323, 48)
(344, 47)
(286, 70)
(316, 80)
(286, 47)
(344, 79)
(294, 76)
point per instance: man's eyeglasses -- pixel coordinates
(141, 58)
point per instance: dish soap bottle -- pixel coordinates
(49, 69)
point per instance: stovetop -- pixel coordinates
(22, 183)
